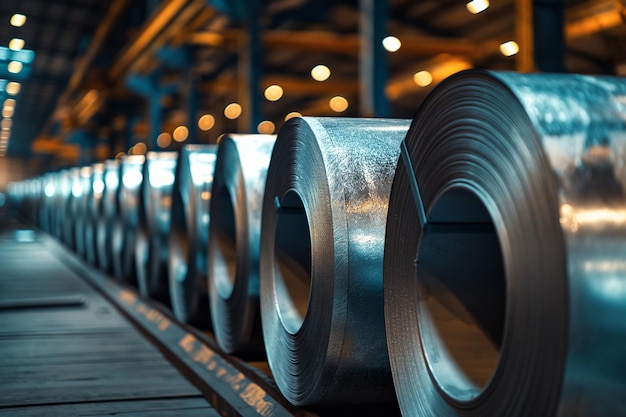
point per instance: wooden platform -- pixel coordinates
(65, 350)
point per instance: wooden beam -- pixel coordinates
(525, 61)
(328, 42)
(291, 85)
(593, 17)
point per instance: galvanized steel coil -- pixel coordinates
(234, 241)
(125, 226)
(81, 195)
(505, 280)
(68, 205)
(153, 227)
(189, 231)
(94, 211)
(106, 223)
(324, 214)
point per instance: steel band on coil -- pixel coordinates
(106, 223)
(94, 211)
(234, 241)
(324, 214)
(189, 231)
(154, 214)
(126, 223)
(504, 271)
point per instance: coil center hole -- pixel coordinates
(292, 271)
(462, 294)
(225, 240)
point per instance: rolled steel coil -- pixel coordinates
(68, 206)
(505, 279)
(189, 232)
(59, 204)
(125, 226)
(106, 223)
(324, 215)
(234, 241)
(80, 216)
(93, 212)
(47, 202)
(154, 219)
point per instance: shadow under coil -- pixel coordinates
(324, 214)
(153, 228)
(189, 231)
(505, 280)
(126, 223)
(106, 223)
(235, 240)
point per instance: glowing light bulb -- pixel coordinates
(320, 72)
(391, 43)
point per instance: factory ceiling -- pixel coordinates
(93, 74)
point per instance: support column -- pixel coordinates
(540, 33)
(250, 64)
(373, 58)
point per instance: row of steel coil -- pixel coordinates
(470, 262)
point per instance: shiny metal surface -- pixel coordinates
(81, 194)
(106, 223)
(94, 211)
(153, 227)
(127, 219)
(189, 232)
(234, 241)
(505, 295)
(324, 214)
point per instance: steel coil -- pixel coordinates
(189, 231)
(68, 204)
(81, 195)
(93, 211)
(126, 223)
(324, 215)
(59, 205)
(505, 280)
(234, 241)
(105, 227)
(46, 218)
(153, 227)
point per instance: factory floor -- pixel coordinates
(65, 350)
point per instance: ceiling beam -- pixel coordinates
(329, 42)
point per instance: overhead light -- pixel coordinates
(18, 20)
(509, 48)
(232, 111)
(7, 112)
(423, 78)
(164, 140)
(338, 104)
(4, 135)
(292, 115)
(140, 148)
(266, 127)
(206, 122)
(9, 102)
(16, 44)
(477, 6)
(14, 67)
(391, 43)
(320, 72)
(273, 92)
(181, 133)
(13, 88)
(6, 124)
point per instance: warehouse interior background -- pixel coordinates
(86, 80)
